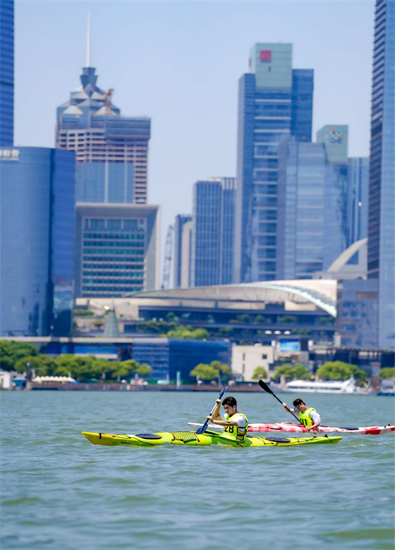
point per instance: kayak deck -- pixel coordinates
(208, 438)
(292, 427)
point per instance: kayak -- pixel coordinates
(292, 427)
(208, 438)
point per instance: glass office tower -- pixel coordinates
(312, 210)
(111, 150)
(275, 102)
(116, 249)
(36, 241)
(381, 222)
(213, 232)
(6, 72)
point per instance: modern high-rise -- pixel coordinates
(275, 102)
(36, 241)
(6, 72)
(312, 210)
(116, 249)
(111, 150)
(381, 220)
(183, 223)
(213, 232)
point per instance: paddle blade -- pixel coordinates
(265, 387)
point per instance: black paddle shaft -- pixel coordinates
(268, 390)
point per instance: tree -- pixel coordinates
(11, 352)
(259, 372)
(338, 370)
(288, 319)
(290, 372)
(224, 371)
(243, 318)
(204, 372)
(387, 372)
(259, 319)
(41, 364)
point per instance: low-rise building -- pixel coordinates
(245, 359)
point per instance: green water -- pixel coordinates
(60, 492)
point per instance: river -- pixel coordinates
(60, 492)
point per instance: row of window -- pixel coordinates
(114, 252)
(119, 236)
(115, 244)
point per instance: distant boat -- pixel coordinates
(331, 386)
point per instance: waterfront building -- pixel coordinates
(6, 72)
(381, 220)
(213, 232)
(312, 210)
(36, 241)
(116, 249)
(111, 150)
(275, 101)
(182, 234)
(245, 359)
(335, 138)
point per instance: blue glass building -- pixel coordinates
(213, 232)
(179, 251)
(111, 150)
(6, 72)
(381, 223)
(36, 241)
(312, 210)
(275, 101)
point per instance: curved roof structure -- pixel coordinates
(318, 292)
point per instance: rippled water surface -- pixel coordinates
(58, 491)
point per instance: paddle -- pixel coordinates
(268, 390)
(203, 428)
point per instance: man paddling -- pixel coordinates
(235, 423)
(308, 416)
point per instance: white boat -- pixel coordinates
(330, 386)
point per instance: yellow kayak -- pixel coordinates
(208, 438)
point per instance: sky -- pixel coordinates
(179, 62)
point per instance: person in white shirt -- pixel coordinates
(308, 416)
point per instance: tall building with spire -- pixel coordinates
(111, 150)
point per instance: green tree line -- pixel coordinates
(25, 357)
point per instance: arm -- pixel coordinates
(216, 415)
(315, 417)
(287, 408)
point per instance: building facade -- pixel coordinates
(180, 250)
(275, 101)
(6, 72)
(381, 221)
(213, 232)
(117, 249)
(312, 210)
(111, 150)
(357, 199)
(36, 241)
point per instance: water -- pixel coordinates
(60, 492)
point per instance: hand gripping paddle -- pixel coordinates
(268, 390)
(203, 428)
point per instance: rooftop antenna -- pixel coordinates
(88, 45)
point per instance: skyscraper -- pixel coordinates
(179, 250)
(111, 150)
(312, 210)
(6, 72)
(36, 241)
(213, 232)
(381, 221)
(275, 101)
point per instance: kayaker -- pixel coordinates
(309, 417)
(235, 423)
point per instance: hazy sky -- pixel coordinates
(179, 63)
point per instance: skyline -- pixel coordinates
(189, 144)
